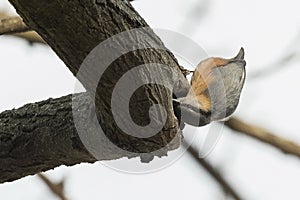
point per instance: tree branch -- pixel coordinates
(263, 135)
(228, 189)
(287, 55)
(56, 188)
(12, 25)
(73, 28)
(30, 36)
(41, 136)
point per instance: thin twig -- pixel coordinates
(31, 37)
(270, 69)
(228, 189)
(265, 136)
(13, 25)
(56, 188)
(281, 63)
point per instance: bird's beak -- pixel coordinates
(240, 55)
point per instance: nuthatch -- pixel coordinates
(215, 90)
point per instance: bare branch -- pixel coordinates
(228, 189)
(41, 136)
(13, 25)
(263, 135)
(274, 67)
(280, 63)
(30, 36)
(56, 188)
(59, 22)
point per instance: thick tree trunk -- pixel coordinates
(74, 28)
(42, 136)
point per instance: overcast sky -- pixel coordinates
(267, 30)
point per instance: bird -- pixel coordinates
(214, 92)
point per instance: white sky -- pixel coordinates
(266, 29)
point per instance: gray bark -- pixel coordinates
(42, 136)
(74, 28)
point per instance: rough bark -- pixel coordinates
(42, 136)
(38, 137)
(74, 28)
